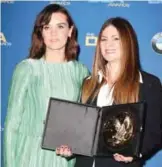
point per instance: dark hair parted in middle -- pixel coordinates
(38, 47)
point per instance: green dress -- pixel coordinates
(33, 82)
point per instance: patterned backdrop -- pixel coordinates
(18, 19)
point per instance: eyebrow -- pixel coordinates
(62, 23)
(111, 36)
(115, 35)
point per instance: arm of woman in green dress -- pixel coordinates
(19, 87)
(84, 73)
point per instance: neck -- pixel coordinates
(112, 72)
(56, 56)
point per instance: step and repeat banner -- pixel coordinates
(18, 20)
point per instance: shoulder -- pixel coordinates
(150, 78)
(153, 82)
(22, 70)
(80, 65)
(26, 66)
(26, 63)
(81, 69)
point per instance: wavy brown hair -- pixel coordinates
(126, 87)
(38, 47)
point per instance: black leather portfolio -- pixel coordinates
(94, 131)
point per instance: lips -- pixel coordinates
(53, 40)
(110, 51)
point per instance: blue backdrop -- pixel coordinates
(18, 20)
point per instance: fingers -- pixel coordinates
(58, 150)
(64, 151)
(121, 158)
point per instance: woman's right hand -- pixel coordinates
(64, 151)
(121, 158)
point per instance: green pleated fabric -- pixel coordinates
(33, 83)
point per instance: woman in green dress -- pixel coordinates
(50, 71)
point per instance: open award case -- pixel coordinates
(94, 131)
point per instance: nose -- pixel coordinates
(53, 31)
(109, 43)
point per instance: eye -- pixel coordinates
(46, 27)
(60, 26)
(116, 38)
(103, 39)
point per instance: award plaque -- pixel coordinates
(94, 131)
(121, 130)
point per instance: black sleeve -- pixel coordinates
(153, 127)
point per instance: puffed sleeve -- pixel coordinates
(20, 82)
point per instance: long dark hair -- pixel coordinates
(38, 47)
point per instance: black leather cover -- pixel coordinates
(87, 129)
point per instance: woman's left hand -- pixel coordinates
(121, 158)
(64, 151)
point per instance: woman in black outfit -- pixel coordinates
(117, 79)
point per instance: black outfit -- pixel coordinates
(151, 93)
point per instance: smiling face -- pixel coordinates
(110, 44)
(56, 33)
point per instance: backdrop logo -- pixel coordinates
(61, 2)
(157, 42)
(120, 4)
(3, 40)
(7, 1)
(91, 39)
(155, 1)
